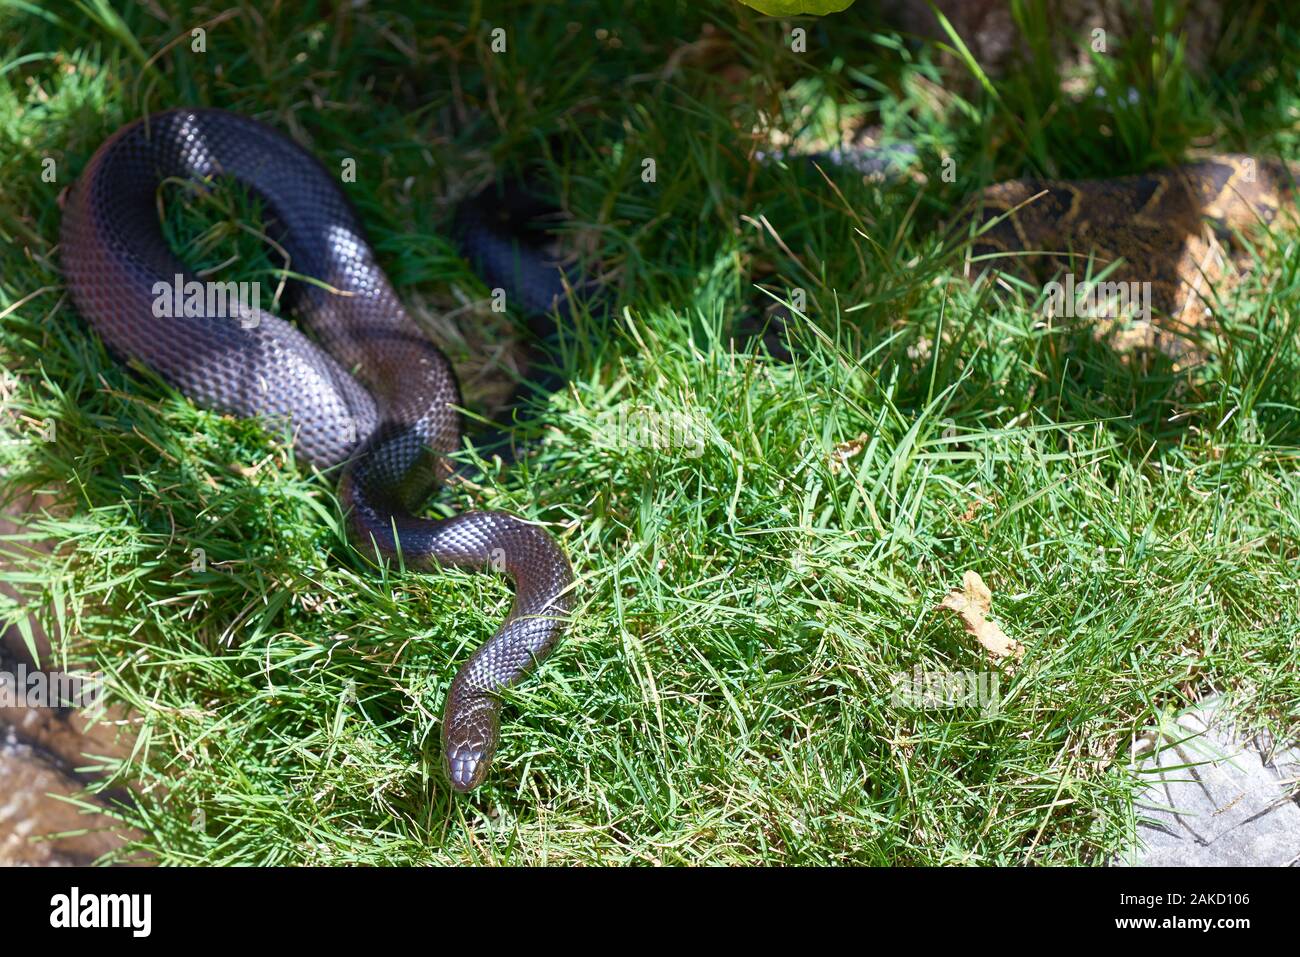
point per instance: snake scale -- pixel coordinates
(370, 393)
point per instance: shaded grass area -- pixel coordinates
(760, 542)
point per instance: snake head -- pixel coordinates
(466, 767)
(469, 736)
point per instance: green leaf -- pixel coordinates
(785, 8)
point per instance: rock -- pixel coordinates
(43, 751)
(1215, 796)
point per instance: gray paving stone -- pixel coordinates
(1215, 796)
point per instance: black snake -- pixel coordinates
(370, 393)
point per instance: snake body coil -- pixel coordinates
(389, 426)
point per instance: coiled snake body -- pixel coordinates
(370, 393)
(1160, 227)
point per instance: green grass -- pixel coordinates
(745, 599)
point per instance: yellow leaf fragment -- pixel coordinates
(846, 450)
(972, 603)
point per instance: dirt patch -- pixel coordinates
(47, 817)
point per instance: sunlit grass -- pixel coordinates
(760, 542)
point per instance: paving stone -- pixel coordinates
(1215, 796)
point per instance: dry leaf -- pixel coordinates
(846, 450)
(972, 603)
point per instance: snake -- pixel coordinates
(359, 385)
(1160, 227)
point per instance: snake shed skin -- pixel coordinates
(367, 392)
